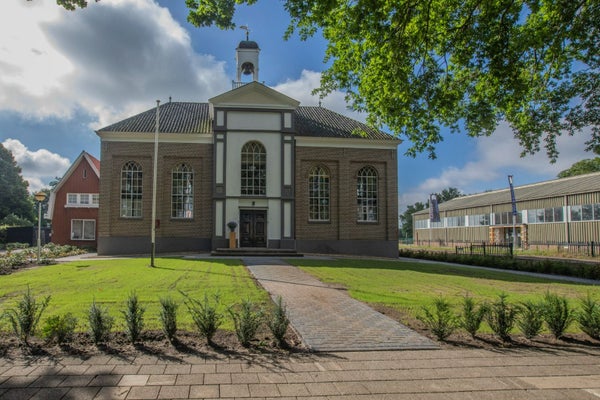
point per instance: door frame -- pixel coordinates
(254, 211)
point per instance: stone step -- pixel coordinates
(256, 252)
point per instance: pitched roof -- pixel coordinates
(175, 117)
(541, 190)
(92, 161)
(183, 117)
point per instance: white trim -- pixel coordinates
(148, 137)
(83, 221)
(356, 143)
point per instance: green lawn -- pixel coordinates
(73, 286)
(406, 286)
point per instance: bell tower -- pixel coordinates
(246, 56)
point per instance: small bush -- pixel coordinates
(100, 322)
(134, 318)
(588, 317)
(247, 319)
(557, 314)
(168, 317)
(501, 317)
(531, 319)
(472, 315)
(26, 315)
(278, 321)
(441, 321)
(60, 328)
(205, 315)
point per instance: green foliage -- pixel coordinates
(588, 316)
(417, 67)
(205, 314)
(545, 266)
(247, 319)
(15, 220)
(60, 328)
(100, 322)
(26, 315)
(406, 219)
(278, 321)
(557, 314)
(472, 315)
(134, 317)
(531, 318)
(501, 317)
(14, 196)
(581, 167)
(440, 320)
(168, 317)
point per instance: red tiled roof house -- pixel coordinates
(73, 204)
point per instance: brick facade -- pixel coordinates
(343, 165)
(170, 231)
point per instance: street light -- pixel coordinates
(39, 197)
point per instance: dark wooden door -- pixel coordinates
(253, 231)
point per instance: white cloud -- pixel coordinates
(496, 157)
(112, 59)
(301, 90)
(37, 167)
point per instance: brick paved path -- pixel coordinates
(549, 374)
(328, 319)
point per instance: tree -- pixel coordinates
(581, 167)
(449, 194)
(419, 66)
(406, 219)
(14, 198)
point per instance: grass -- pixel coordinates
(406, 286)
(73, 286)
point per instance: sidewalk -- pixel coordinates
(391, 375)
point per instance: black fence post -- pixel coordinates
(510, 246)
(592, 246)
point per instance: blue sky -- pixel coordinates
(64, 74)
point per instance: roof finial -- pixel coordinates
(245, 27)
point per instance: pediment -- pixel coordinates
(254, 95)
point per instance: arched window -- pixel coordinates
(182, 192)
(254, 169)
(366, 194)
(318, 194)
(131, 190)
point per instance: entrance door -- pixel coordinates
(253, 228)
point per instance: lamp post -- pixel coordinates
(39, 197)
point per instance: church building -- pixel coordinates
(253, 161)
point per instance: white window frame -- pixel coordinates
(82, 200)
(83, 222)
(367, 188)
(318, 194)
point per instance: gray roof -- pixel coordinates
(535, 191)
(181, 117)
(248, 44)
(174, 117)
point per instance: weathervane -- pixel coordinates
(245, 27)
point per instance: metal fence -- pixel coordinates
(486, 249)
(590, 249)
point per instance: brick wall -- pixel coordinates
(116, 154)
(343, 165)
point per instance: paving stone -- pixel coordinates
(112, 392)
(174, 392)
(204, 391)
(237, 390)
(143, 392)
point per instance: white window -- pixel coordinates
(318, 194)
(254, 169)
(131, 190)
(83, 199)
(83, 229)
(366, 194)
(182, 192)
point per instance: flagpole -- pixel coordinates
(154, 179)
(514, 211)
